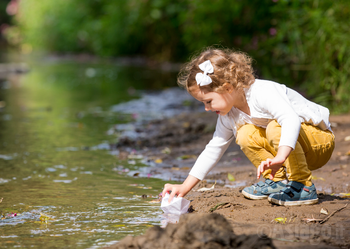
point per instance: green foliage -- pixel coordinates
(4, 18)
(313, 43)
(303, 43)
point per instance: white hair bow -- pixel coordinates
(203, 78)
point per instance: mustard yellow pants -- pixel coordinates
(312, 150)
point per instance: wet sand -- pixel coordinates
(173, 145)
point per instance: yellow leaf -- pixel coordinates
(345, 195)
(231, 177)
(281, 220)
(44, 218)
(317, 178)
(158, 160)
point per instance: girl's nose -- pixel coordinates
(206, 108)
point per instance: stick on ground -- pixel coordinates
(325, 219)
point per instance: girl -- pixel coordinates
(283, 134)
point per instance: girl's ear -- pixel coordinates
(228, 87)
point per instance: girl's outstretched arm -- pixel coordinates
(275, 163)
(180, 189)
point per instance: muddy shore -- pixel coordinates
(171, 147)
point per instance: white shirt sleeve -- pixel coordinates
(274, 100)
(214, 150)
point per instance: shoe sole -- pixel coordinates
(254, 197)
(292, 203)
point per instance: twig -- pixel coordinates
(325, 219)
(312, 219)
(217, 206)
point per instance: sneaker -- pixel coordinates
(295, 193)
(262, 190)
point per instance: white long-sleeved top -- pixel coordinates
(267, 101)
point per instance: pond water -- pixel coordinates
(62, 186)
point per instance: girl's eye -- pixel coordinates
(209, 101)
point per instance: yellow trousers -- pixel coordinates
(312, 150)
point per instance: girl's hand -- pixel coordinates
(275, 163)
(180, 189)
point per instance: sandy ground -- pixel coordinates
(178, 141)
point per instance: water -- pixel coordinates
(62, 186)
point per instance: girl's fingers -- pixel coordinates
(171, 196)
(167, 188)
(260, 169)
(264, 165)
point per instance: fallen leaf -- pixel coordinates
(206, 189)
(45, 218)
(158, 160)
(134, 156)
(155, 201)
(281, 220)
(231, 177)
(317, 178)
(347, 153)
(324, 211)
(184, 157)
(344, 195)
(166, 150)
(347, 138)
(120, 225)
(217, 206)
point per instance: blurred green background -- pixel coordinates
(301, 43)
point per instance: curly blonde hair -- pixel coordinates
(230, 67)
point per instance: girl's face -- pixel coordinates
(221, 103)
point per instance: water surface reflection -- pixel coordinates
(58, 181)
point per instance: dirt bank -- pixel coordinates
(195, 231)
(173, 145)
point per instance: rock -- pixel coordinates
(195, 231)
